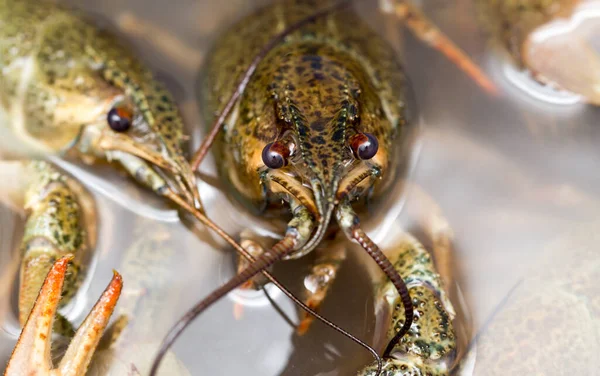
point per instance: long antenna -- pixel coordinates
(219, 231)
(284, 247)
(350, 224)
(386, 266)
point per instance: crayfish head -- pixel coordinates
(140, 127)
(333, 134)
(100, 102)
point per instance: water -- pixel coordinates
(515, 175)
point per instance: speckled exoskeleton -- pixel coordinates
(430, 347)
(59, 233)
(323, 127)
(67, 87)
(61, 220)
(543, 37)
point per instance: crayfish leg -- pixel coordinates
(32, 352)
(428, 33)
(317, 283)
(255, 245)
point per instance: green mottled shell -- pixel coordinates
(429, 347)
(393, 367)
(55, 227)
(58, 68)
(319, 83)
(431, 336)
(55, 211)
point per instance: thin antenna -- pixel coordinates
(219, 231)
(284, 247)
(386, 266)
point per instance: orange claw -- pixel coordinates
(426, 31)
(31, 355)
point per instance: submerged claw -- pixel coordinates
(31, 355)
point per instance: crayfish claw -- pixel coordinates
(82, 346)
(31, 355)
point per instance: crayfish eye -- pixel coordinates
(364, 145)
(119, 118)
(275, 155)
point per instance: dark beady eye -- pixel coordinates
(275, 155)
(119, 118)
(364, 145)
